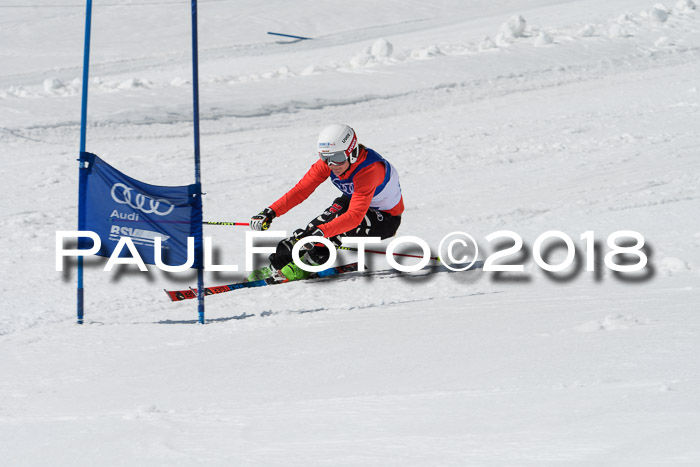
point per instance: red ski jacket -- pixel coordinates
(365, 182)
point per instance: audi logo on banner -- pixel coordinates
(122, 194)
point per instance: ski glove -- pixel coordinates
(263, 220)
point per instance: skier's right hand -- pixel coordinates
(263, 220)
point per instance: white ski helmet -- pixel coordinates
(338, 143)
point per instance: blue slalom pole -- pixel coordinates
(83, 138)
(197, 173)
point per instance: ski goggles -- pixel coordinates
(333, 158)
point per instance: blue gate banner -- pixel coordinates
(114, 205)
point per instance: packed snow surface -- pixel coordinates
(527, 116)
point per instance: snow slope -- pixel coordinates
(527, 116)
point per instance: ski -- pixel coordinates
(187, 294)
(349, 272)
(426, 271)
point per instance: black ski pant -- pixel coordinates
(375, 224)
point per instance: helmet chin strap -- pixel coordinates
(345, 171)
(354, 154)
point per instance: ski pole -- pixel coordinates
(265, 226)
(227, 223)
(434, 258)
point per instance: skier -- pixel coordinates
(371, 203)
